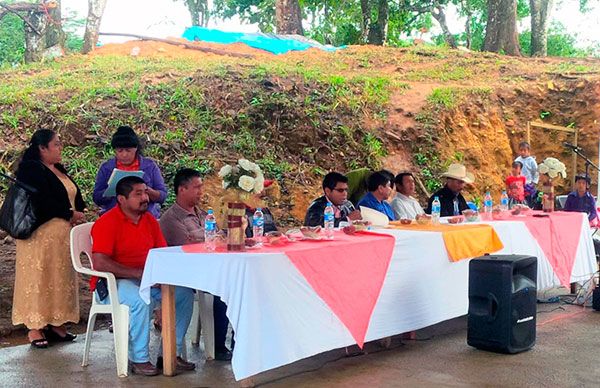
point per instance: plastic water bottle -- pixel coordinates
(436, 209)
(504, 201)
(328, 219)
(210, 231)
(488, 204)
(258, 226)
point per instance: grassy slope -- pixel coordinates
(299, 115)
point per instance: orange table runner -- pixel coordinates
(462, 241)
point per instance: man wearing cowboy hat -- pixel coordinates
(451, 200)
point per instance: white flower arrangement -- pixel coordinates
(244, 176)
(553, 168)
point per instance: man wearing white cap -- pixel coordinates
(451, 200)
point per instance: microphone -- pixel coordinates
(571, 146)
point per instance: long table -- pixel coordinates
(278, 318)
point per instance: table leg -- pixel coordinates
(168, 329)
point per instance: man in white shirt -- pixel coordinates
(403, 204)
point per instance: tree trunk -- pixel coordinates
(501, 30)
(469, 20)
(288, 17)
(540, 14)
(35, 43)
(92, 25)
(378, 30)
(55, 36)
(440, 16)
(365, 8)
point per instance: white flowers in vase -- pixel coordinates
(553, 168)
(245, 176)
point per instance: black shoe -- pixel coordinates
(223, 355)
(53, 336)
(143, 368)
(180, 364)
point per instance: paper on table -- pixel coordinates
(375, 217)
(115, 177)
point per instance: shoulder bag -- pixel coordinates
(17, 214)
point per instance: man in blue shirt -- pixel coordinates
(379, 185)
(581, 200)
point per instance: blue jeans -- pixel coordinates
(140, 315)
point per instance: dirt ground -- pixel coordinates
(12, 335)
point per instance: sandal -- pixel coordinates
(55, 337)
(40, 343)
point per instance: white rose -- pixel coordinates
(225, 184)
(543, 169)
(246, 183)
(259, 184)
(225, 170)
(552, 174)
(245, 164)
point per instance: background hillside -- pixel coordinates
(298, 115)
(301, 115)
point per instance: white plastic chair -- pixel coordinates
(202, 320)
(562, 200)
(81, 242)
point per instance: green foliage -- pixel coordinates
(443, 97)
(560, 43)
(12, 40)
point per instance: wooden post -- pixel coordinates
(575, 157)
(528, 133)
(168, 329)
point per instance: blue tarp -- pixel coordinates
(277, 44)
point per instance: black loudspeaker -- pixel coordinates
(596, 299)
(502, 303)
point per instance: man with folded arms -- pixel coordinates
(379, 185)
(122, 238)
(405, 206)
(335, 188)
(183, 223)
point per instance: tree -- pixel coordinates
(288, 17)
(92, 25)
(199, 11)
(501, 29)
(374, 29)
(261, 12)
(43, 28)
(540, 14)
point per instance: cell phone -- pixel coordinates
(541, 215)
(101, 289)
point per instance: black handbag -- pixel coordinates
(17, 215)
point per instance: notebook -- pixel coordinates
(115, 177)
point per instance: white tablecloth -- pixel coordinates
(278, 318)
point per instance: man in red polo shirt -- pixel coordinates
(122, 238)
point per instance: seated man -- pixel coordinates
(581, 200)
(451, 200)
(404, 204)
(379, 185)
(183, 223)
(122, 238)
(335, 187)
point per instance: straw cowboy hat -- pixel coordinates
(459, 171)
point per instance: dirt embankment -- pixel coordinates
(303, 114)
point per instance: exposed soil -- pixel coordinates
(499, 95)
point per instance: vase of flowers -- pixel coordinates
(239, 182)
(552, 169)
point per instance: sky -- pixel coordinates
(163, 18)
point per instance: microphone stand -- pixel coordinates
(588, 162)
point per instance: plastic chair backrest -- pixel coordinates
(81, 242)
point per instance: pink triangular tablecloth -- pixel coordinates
(347, 273)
